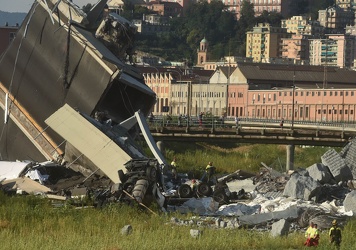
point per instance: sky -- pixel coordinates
(25, 5)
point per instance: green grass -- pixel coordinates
(32, 223)
(227, 158)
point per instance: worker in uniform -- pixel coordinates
(174, 168)
(210, 171)
(335, 234)
(308, 234)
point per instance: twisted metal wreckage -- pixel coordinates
(69, 94)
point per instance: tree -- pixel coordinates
(247, 15)
(272, 18)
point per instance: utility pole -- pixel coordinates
(293, 94)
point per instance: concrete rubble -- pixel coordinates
(280, 228)
(276, 201)
(320, 193)
(126, 230)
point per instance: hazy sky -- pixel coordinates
(25, 5)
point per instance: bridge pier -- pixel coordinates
(290, 157)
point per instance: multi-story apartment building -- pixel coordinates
(279, 6)
(296, 48)
(346, 4)
(302, 25)
(167, 9)
(335, 18)
(263, 42)
(335, 50)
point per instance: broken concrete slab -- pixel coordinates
(280, 228)
(24, 184)
(331, 192)
(349, 154)
(319, 172)
(246, 184)
(337, 165)
(126, 230)
(350, 202)
(287, 214)
(301, 187)
(205, 205)
(238, 209)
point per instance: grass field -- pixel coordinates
(30, 222)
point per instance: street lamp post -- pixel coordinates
(293, 90)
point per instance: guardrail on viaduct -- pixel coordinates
(254, 131)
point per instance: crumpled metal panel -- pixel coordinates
(50, 64)
(90, 141)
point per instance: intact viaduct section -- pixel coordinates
(316, 135)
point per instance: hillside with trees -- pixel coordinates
(225, 34)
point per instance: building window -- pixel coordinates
(331, 93)
(352, 93)
(335, 93)
(318, 93)
(313, 93)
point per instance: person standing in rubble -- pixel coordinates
(174, 169)
(314, 238)
(335, 234)
(210, 170)
(308, 234)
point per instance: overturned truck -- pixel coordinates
(70, 94)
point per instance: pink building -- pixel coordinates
(266, 91)
(295, 47)
(255, 90)
(279, 6)
(336, 50)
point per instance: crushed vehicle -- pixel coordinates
(218, 189)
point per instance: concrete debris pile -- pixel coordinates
(319, 193)
(48, 179)
(326, 188)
